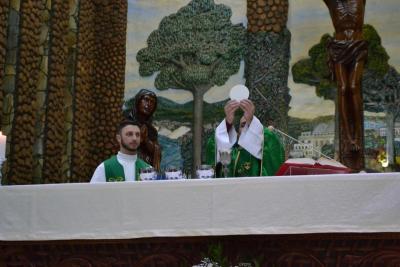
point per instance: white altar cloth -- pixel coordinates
(233, 206)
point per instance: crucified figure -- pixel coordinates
(347, 54)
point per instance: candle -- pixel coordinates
(3, 144)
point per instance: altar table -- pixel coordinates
(320, 220)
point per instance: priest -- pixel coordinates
(255, 150)
(125, 166)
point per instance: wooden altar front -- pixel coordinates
(327, 250)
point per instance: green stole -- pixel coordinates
(243, 164)
(115, 171)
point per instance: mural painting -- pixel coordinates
(285, 67)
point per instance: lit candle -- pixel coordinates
(3, 143)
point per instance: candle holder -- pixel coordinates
(148, 174)
(3, 145)
(205, 172)
(173, 173)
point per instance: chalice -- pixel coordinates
(225, 159)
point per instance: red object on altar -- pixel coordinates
(307, 166)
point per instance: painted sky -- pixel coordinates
(308, 21)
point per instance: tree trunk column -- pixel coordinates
(55, 137)
(3, 47)
(109, 74)
(267, 60)
(22, 134)
(267, 15)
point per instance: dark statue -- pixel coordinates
(347, 55)
(142, 112)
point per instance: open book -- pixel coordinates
(308, 166)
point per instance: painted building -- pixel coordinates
(311, 142)
(383, 130)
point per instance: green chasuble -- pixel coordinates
(115, 171)
(243, 164)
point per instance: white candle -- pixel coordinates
(3, 143)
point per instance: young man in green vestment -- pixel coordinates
(255, 150)
(124, 166)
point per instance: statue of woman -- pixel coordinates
(142, 112)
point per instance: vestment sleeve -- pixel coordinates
(99, 175)
(223, 138)
(252, 138)
(273, 153)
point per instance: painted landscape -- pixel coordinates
(311, 106)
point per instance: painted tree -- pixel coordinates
(384, 96)
(194, 49)
(382, 82)
(314, 71)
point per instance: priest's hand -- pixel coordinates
(248, 107)
(230, 108)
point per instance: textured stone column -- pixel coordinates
(20, 159)
(82, 104)
(267, 60)
(54, 132)
(3, 47)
